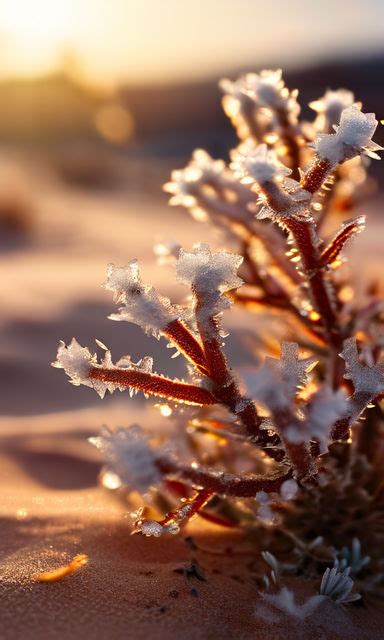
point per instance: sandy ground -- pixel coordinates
(51, 508)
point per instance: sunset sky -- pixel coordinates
(156, 40)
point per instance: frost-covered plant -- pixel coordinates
(285, 438)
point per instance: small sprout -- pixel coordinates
(58, 574)
(285, 602)
(273, 562)
(352, 558)
(337, 585)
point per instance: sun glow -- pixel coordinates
(35, 32)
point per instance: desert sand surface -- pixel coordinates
(51, 506)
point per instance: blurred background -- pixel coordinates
(99, 101)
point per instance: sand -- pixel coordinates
(51, 507)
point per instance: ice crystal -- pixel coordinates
(142, 304)
(365, 379)
(186, 183)
(276, 383)
(257, 164)
(337, 585)
(326, 407)
(128, 455)
(210, 275)
(289, 489)
(268, 90)
(330, 107)
(77, 362)
(353, 137)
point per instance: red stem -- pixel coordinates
(315, 175)
(225, 389)
(193, 506)
(225, 484)
(154, 384)
(186, 343)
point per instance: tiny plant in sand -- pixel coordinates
(292, 448)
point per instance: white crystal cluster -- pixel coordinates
(365, 379)
(267, 90)
(276, 383)
(257, 164)
(210, 276)
(127, 454)
(330, 107)
(325, 408)
(77, 361)
(353, 137)
(142, 305)
(186, 183)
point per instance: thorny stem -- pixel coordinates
(188, 509)
(225, 389)
(186, 343)
(154, 384)
(316, 175)
(304, 234)
(223, 483)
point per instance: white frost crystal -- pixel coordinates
(257, 164)
(151, 528)
(331, 106)
(275, 384)
(210, 275)
(185, 183)
(294, 371)
(128, 455)
(289, 489)
(142, 304)
(352, 137)
(77, 361)
(268, 90)
(327, 406)
(365, 379)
